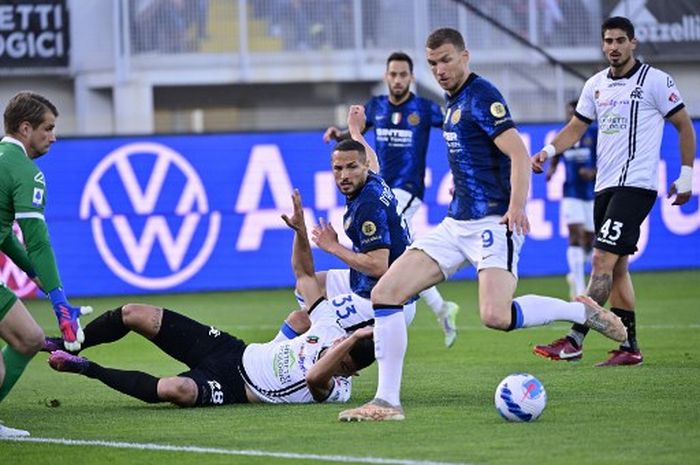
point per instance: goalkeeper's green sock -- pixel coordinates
(15, 363)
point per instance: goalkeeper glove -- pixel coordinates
(68, 319)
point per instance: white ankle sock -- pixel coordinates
(433, 298)
(390, 342)
(576, 257)
(539, 310)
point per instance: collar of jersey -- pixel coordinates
(12, 140)
(628, 74)
(410, 97)
(469, 80)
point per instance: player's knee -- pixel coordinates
(495, 317)
(387, 294)
(32, 341)
(602, 262)
(136, 315)
(180, 391)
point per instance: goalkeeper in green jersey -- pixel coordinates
(30, 120)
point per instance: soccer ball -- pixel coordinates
(520, 397)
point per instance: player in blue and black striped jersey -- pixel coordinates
(485, 226)
(370, 221)
(402, 122)
(379, 234)
(577, 204)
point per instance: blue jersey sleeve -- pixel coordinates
(436, 116)
(372, 227)
(370, 110)
(490, 112)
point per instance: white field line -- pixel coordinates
(220, 451)
(558, 327)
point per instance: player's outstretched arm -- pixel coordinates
(333, 133)
(43, 262)
(682, 187)
(302, 260)
(567, 137)
(320, 376)
(356, 126)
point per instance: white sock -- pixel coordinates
(576, 257)
(538, 310)
(433, 298)
(390, 342)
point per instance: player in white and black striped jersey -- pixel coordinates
(315, 366)
(630, 101)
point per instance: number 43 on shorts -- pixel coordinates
(611, 230)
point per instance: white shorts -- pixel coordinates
(578, 211)
(408, 204)
(350, 308)
(484, 243)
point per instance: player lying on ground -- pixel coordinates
(222, 368)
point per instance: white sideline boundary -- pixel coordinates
(557, 326)
(221, 451)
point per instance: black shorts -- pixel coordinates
(618, 214)
(214, 358)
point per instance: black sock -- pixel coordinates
(578, 334)
(629, 320)
(133, 383)
(108, 327)
(580, 328)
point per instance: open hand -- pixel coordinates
(296, 222)
(324, 236)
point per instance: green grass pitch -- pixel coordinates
(636, 415)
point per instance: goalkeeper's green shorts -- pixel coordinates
(7, 300)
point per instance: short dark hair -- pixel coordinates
(400, 56)
(351, 145)
(572, 103)
(27, 106)
(445, 35)
(362, 353)
(618, 22)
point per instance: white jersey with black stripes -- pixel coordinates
(276, 371)
(630, 111)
